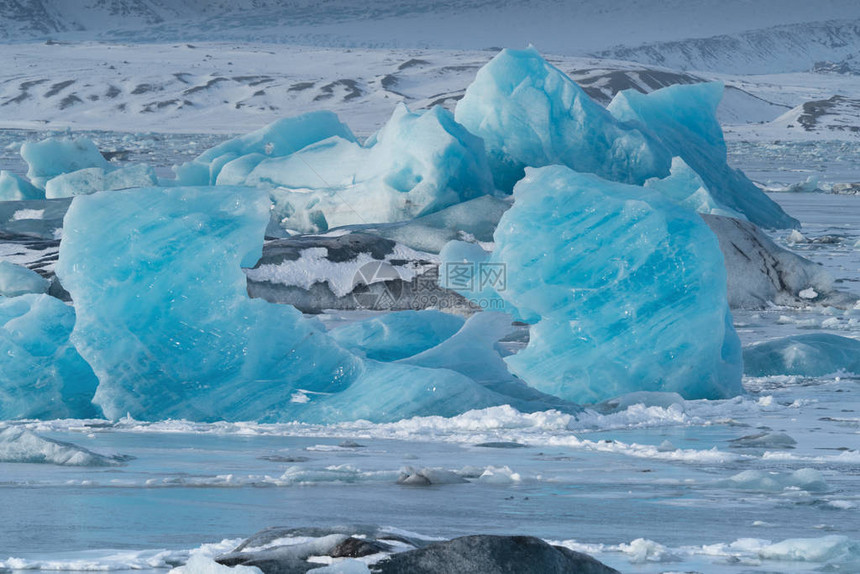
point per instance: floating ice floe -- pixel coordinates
(55, 156)
(23, 446)
(16, 280)
(93, 179)
(809, 355)
(16, 188)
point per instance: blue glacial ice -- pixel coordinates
(394, 336)
(16, 280)
(36, 355)
(630, 290)
(280, 138)
(163, 316)
(531, 114)
(684, 119)
(16, 188)
(54, 156)
(808, 355)
(418, 163)
(93, 179)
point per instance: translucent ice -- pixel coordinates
(16, 280)
(41, 373)
(93, 179)
(415, 165)
(277, 139)
(394, 336)
(630, 290)
(530, 113)
(684, 119)
(163, 314)
(53, 156)
(16, 188)
(809, 355)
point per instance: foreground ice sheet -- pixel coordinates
(41, 373)
(628, 290)
(809, 355)
(163, 315)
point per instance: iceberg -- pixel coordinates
(165, 321)
(41, 373)
(16, 188)
(93, 179)
(163, 315)
(16, 280)
(415, 165)
(808, 355)
(684, 119)
(531, 114)
(280, 138)
(629, 291)
(54, 156)
(684, 187)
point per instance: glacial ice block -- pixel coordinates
(16, 280)
(93, 179)
(684, 118)
(630, 290)
(41, 373)
(163, 315)
(808, 355)
(417, 164)
(16, 188)
(280, 138)
(530, 113)
(54, 156)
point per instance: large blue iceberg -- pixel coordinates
(163, 314)
(629, 289)
(166, 323)
(41, 373)
(531, 114)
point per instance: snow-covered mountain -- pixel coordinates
(689, 34)
(824, 46)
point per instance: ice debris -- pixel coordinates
(18, 444)
(55, 156)
(16, 188)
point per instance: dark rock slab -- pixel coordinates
(485, 554)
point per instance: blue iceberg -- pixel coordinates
(55, 156)
(629, 289)
(16, 280)
(163, 316)
(684, 118)
(93, 179)
(16, 188)
(280, 138)
(41, 373)
(808, 355)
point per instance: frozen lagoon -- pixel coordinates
(709, 486)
